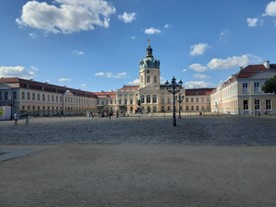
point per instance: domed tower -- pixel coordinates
(149, 70)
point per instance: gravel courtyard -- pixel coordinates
(75, 161)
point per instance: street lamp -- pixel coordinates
(174, 88)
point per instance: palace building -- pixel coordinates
(242, 92)
(150, 96)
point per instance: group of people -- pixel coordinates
(16, 118)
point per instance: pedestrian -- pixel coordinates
(15, 117)
(27, 119)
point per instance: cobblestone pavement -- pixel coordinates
(208, 130)
(205, 161)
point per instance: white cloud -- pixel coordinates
(64, 79)
(233, 62)
(167, 26)
(134, 82)
(198, 49)
(133, 37)
(201, 76)
(199, 84)
(252, 22)
(270, 9)
(66, 16)
(33, 35)
(198, 67)
(184, 70)
(77, 52)
(18, 71)
(83, 85)
(152, 30)
(111, 75)
(127, 17)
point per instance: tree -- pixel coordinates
(270, 85)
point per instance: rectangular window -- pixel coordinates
(257, 104)
(202, 108)
(162, 100)
(256, 87)
(53, 98)
(196, 99)
(245, 88)
(131, 101)
(155, 79)
(197, 108)
(169, 101)
(112, 101)
(0, 95)
(14, 95)
(125, 101)
(6, 95)
(148, 79)
(60, 99)
(43, 97)
(38, 96)
(48, 98)
(28, 96)
(202, 99)
(33, 95)
(187, 108)
(192, 108)
(56, 98)
(192, 99)
(245, 104)
(268, 104)
(187, 100)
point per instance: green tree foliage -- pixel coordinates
(270, 85)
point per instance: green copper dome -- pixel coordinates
(149, 61)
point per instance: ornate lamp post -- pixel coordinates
(174, 88)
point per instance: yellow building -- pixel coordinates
(242, 92)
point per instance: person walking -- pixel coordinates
(15, 117)
(27, 119)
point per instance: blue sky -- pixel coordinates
(97, 45)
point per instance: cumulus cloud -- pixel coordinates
(64, 79)
(199, 84)
(111, 75)
(252, 22)
(233, 62)
(133, 37)
(83, 85)
(198, 49)
(152, 30)
(66, 16)
(270, 9)
(198, 67)
(18, 71)
(201, 76)
(127, 17)
(77, 52)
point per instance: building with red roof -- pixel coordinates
(242, 92)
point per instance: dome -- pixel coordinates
(149, 61)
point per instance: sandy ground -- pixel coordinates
(204, 161)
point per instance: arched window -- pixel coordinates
(162, 109)
(148, 109)
(148, 98)
(148, 79)
(154, 109)
(154, 99)
(142, 99)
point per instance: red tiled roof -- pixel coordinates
(124, 88)
(105, 94)
(198, 91)
(35, 85)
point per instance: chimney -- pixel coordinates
(267, 64)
